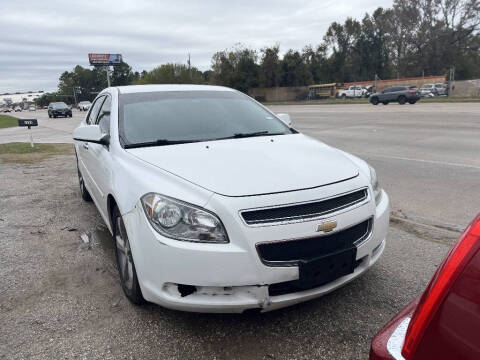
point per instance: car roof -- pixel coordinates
(131, 89)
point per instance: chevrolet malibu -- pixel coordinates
(216, 204)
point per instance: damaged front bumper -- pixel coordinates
(231, 277)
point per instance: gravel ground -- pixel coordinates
(60, 296)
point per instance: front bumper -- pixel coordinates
(231, 277)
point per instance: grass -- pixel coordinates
(442, 99)
(17, 152)
(7, 121)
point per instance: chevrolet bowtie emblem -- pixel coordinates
(327, 226)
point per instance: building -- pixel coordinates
(16, 98)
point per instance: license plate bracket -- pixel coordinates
(322, 270)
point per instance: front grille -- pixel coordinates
(280, 253)
(304, 211)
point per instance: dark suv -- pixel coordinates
(401, 94)
(57, 109)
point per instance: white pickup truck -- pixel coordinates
(354, 91)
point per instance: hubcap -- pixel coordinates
(125, 261)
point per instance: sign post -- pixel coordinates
(29, 123)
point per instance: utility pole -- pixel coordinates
(74, 96)
(189, 67)
(108, 75)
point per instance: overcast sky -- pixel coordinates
(41, 39)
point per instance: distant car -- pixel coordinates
(354, 91)
(18, 108)
(444, 322)
(441, 89)
(32, 108)
(57, 109)
(84, 105)
(428, 89)
(400, 94)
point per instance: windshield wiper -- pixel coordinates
(251, 134)
(159, 142)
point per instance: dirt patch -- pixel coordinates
(25, 154)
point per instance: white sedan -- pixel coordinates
(218, 205)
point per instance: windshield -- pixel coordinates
(59, 105)
(186, 116)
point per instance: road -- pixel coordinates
(60, 297)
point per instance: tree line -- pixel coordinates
(412, 38)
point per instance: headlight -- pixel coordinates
(182, 221)
(377, 190)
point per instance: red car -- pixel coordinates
(443, 323)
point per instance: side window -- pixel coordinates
(92, 115)
(104, 116)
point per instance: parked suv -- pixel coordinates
(59, 109)
(400, 94)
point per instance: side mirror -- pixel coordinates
(285, 118)
(91, 133)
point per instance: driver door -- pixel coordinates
(101, 159)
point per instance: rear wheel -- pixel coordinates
(412, 102)
(125, 264)
(385, 103)
(374, 101)
(402, 100)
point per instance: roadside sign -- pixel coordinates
(105, 59)
(28, 123)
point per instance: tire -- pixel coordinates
(83, 190)
(344, 97)
(385, 103)
(412, 102)
(50, 116)
(54, 116)
(402, 100)
(374, 101)
(125, 264)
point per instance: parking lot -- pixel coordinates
(59, 288)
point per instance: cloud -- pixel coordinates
(39, 40)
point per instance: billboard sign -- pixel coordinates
(105, 59)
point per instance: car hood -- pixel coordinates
(252, 166)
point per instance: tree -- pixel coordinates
(294, 70)
(171, 74)
(236, 68)
(269, 70)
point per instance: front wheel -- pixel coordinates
(83, 190)
(374, 101)
(385, 103)
(402, 100)
(412, 102)
(125, 264)
(344, 97)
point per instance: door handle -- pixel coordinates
(85, 146)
